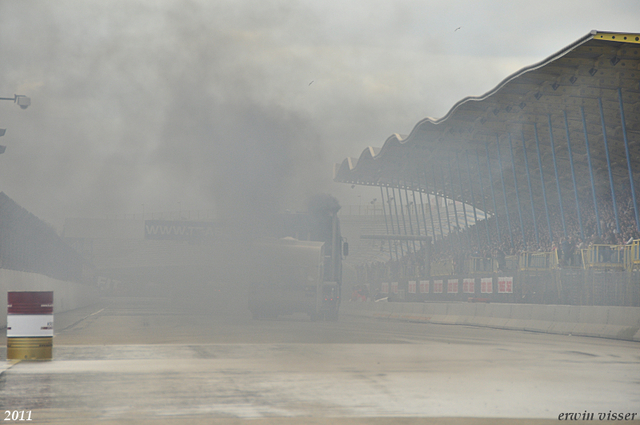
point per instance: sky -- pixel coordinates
(241, 106)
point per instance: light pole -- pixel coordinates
(23, 102)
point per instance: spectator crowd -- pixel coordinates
(499, 237)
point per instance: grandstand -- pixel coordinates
(551, 155)
(366, 227)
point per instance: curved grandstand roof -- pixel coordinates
(579, 91)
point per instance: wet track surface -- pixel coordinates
(134, 360)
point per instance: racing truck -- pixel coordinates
(298, 268)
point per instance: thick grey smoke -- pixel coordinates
(136, 104)
(241, 106)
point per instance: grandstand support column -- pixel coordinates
(464, 203)
(515, 182)
(415, 205)
(404, 221)
(533, 208)
(433, 227)
(395, 206)
(606, 151)
(593, 185)
(484, 205)
(393, 229)
(504, 191)
(435, 193)
(555, 168)
(386, 224)
(453, 196)
(493, 193)
(424, 216)
(573, 174)
(626, 148)
(544, 191)
(406, 195)
(473, 199)
(444, 195)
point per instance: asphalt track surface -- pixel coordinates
(168, 361)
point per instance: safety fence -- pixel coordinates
(632, 256)
(600, 256)
(537, 260)
(559, 286)
(598, 275)
(607, 257)
(442, 268)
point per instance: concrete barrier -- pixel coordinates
(595, 321)
(66, 295)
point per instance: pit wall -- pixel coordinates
(594, 321)
(66, 295)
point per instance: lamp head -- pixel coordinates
(23, 101)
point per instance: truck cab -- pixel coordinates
(298, 268)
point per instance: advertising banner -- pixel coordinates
(437, 287)
(505, 285)
(412, 287)
(469, 286)
(178, 230)
(424, 286)
(486, 285)
(452, 286)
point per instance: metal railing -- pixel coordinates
(620, 257)
(480, 265)
(596, 256)
(632, 256)
(442, 268)
(536, 261)
(605, 256)
(511, 262)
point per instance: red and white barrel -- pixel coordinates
(30, 325)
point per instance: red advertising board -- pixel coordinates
(452, 286)
(424, 286)
(412, 287)
(486, 285)
(437, 287)
(505, 285)
(469, 286)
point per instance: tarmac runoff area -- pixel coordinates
(155, 361)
